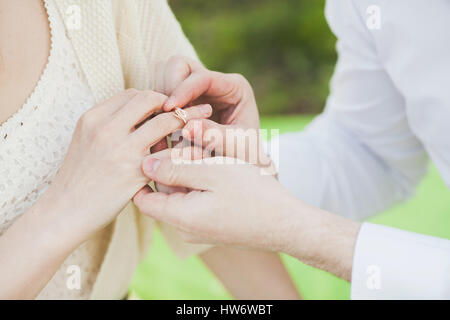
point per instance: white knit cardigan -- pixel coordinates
(118, 46)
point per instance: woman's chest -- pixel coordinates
(35, 139)
(24, 50)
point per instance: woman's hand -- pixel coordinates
(235, 204)
(101, 171)
(100, 174)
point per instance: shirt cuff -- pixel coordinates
(394, 264)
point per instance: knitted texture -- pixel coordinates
(95, 43)
(117, 45)
(37, 138)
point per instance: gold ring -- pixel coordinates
(180, 114)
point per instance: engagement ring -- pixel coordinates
(180, 114)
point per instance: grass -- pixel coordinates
(162, 276)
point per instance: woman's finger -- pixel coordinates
(108, 107)
(139, 108)
(166, 123)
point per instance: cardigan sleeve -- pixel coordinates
(162, 32)
(162, 37)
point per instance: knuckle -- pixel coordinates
(177, 57)
(177, 60)
(143, 95)
(173, 174)
(205, 74)
(180, 66)
(101, 134)
(239, 78)
(158, 124)
(87, 120)
(131, 92)
(153, 97)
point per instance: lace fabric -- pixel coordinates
(33, 144)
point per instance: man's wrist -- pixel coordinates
(320, 239)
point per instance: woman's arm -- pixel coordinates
(34, 247)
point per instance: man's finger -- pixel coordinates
(181, 173)
(188, 153)
(155, 204)
(218, 87)
(177, 70)
(187, 91)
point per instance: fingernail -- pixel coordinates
(150, 165)
(206, 109)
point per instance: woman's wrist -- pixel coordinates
(57, 221)
(36, 244)
(319, 238)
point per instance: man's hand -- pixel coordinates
(188, 82)
(232, 203)
(220, 209)
(234, 132)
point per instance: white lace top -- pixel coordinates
(33, 143)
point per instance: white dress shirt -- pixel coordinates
(387, 113)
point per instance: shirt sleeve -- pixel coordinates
(395, 264)
(360, 156)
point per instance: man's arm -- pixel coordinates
(381, 262)
(357, 159)
(360, 156)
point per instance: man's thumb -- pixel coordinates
(178, 173)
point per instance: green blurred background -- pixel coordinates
(286, 50)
